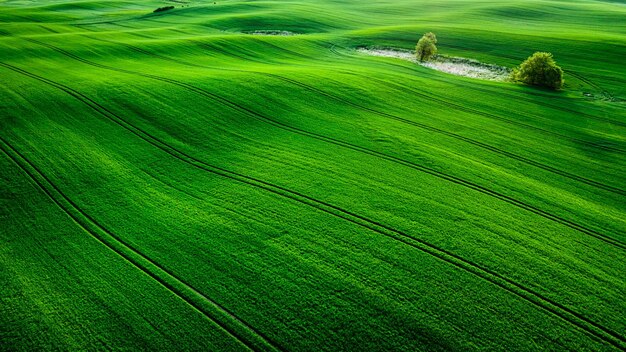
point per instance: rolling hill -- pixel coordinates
(182, 180)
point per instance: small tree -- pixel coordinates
(540, 70)
(425, 48)
(431, 36)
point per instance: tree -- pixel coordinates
(426, 48)
(431, 36)
(541, 70)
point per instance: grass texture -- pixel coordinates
(171, 181)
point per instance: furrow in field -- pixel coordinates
(82, 27)
(226, 320)
(290, 52)
(608, 78)
(479, 112)
(571, 73)
(236, 55)
(504, 119)
(540, 301)
(605, 92)
(133, 31)
(131, 47)
(426, 96)
(443, 102)
(454, 135)
(48, 29)
(519, 97)
(427, 127)
(430, 171)
(457, 180)
(410, 122)
(28, 19)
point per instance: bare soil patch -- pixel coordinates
(454, 65)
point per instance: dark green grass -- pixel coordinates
(172, 183)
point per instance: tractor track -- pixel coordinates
(412, 91)
(443, 102)
(456, 136)
(433, 172)
(576, 75)
(122, 248)
(571, 73)
(48, 29)
(536, 299)
(500, 118)
(133, 31)
(238, 55)
(403, 120)
(606, 93)
(517, 97)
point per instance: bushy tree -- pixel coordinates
(426, 48)
(431, 36)
(541, 70)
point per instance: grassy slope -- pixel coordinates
(302, 196)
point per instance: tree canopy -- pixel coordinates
(426, 47)
(541, 70)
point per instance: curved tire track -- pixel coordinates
(457, 180)
(572, 73)
(456, 136)
(425, 96)
(239, 330)
(605, 92)
(485, 146)
(536, 299)
(582, 78)
(511, 121)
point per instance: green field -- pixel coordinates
(170, 181)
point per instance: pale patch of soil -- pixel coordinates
(271, 32)
(454, 65)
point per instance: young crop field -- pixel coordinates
(244, 175)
